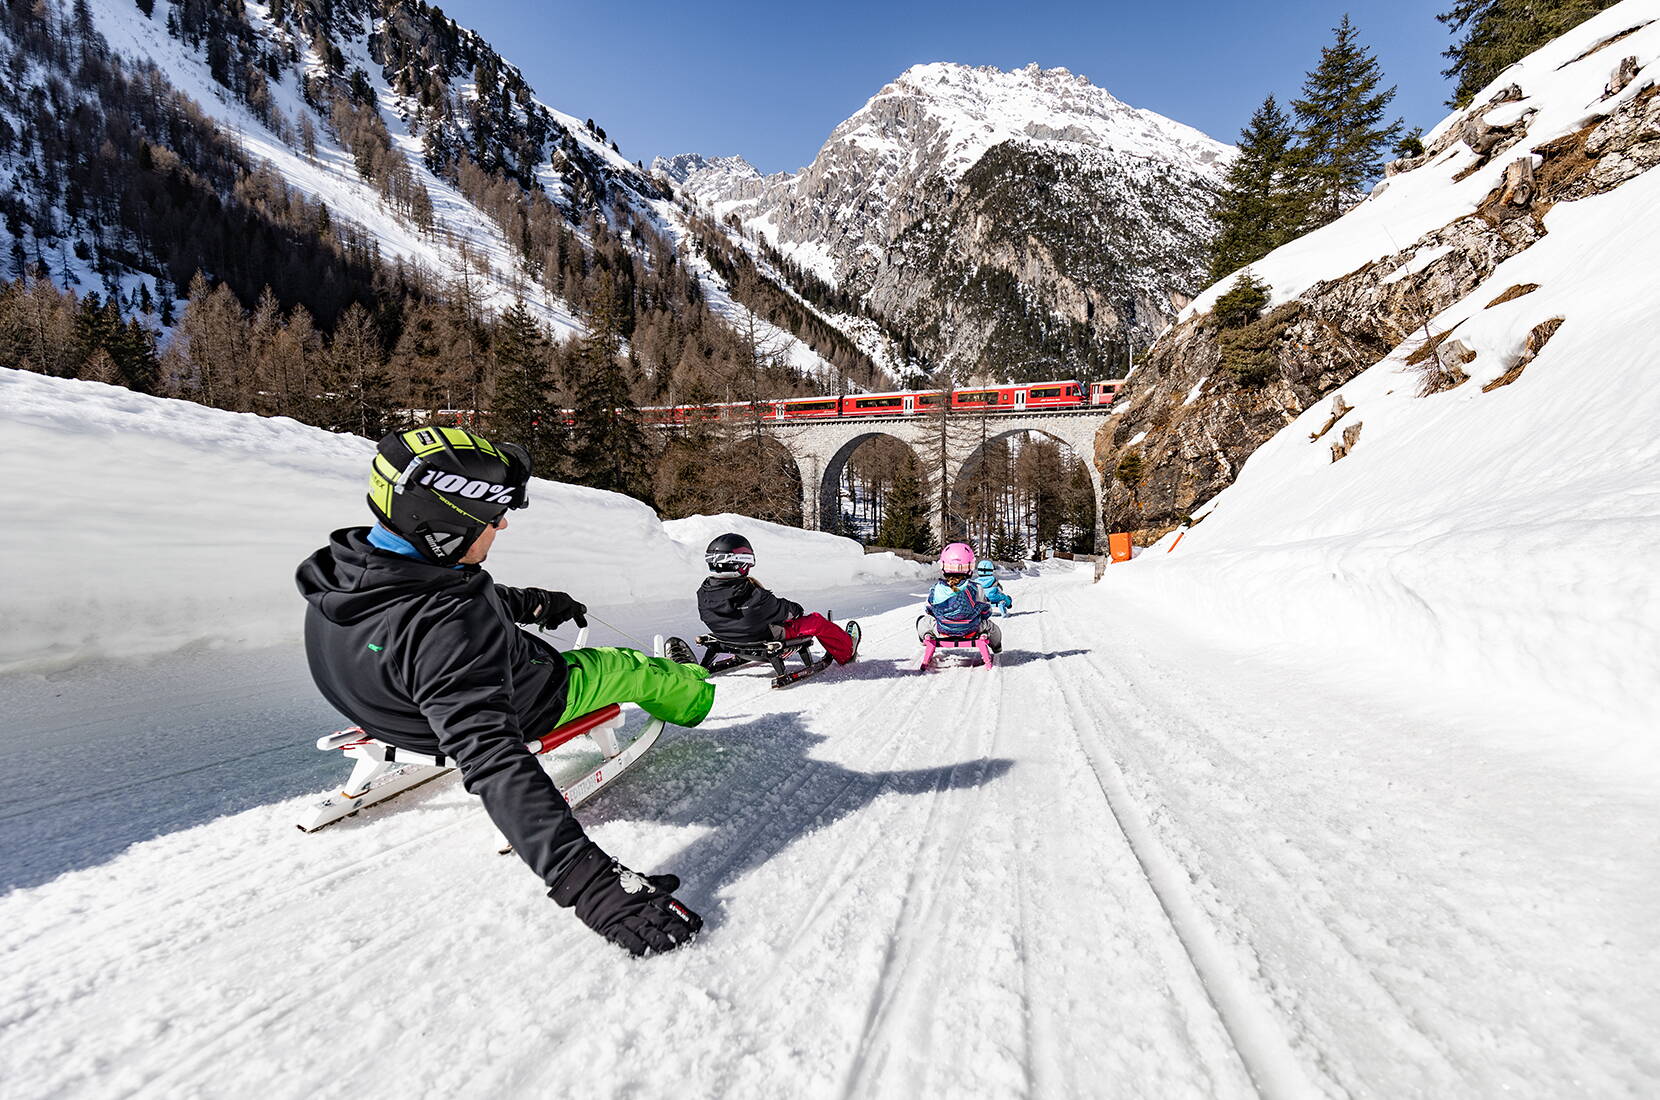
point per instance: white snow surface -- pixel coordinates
(1142, 850)
(1504, 541)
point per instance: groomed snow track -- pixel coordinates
(1128, 861)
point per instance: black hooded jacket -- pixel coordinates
(429, 659)
(739, 610)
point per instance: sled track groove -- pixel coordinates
(834, 878)
(1258, 1040)
(780, 801)
(891, 989)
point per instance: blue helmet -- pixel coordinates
(985, 566)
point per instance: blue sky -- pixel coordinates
(770, 81)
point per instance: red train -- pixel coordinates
(1022, 397)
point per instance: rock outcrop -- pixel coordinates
(1191, 423)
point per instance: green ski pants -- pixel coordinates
(664, 689)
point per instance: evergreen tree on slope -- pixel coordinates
(1341, 131)
(1256, 212)
(608, 446)
(1499, 33)
(523, 411)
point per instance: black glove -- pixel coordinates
(548, 609)
(634, 911)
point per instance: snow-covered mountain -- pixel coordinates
(357, 144)
(703, 178)
(1014, 223)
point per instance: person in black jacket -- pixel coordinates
(738, 608)
(408, 637)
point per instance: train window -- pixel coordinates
(1047, 391)
(928, 399)
(978, 397)
(878, 402)
(810, 406)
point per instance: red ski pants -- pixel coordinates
(836, 641)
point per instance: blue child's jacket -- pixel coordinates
(957, 611)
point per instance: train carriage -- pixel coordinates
(1062, 393)
(878, 404)
(809, 408)
(1105, 393)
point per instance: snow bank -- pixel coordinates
(1506, 539)
(142, 524)
(788, 558)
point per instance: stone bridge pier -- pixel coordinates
(822, 448)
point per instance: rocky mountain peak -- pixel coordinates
(682, 166)
(1002, 217)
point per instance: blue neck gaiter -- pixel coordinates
(383, 539)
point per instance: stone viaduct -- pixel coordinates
(821, 449)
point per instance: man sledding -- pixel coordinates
(409, 637)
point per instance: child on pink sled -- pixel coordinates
(958, 615)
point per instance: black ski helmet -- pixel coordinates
(729, 553)
(439, 488)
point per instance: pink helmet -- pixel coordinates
(957, 558)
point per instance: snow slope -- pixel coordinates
(1135, 864)
(170, 524)
(1503, 541)
(1136, 858)
(463, 237)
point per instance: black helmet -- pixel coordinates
(729, 553)
(439, 488)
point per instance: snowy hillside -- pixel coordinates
(1485, 515)
(175, 524)
(431, 105)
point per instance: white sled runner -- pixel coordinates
(383, 771)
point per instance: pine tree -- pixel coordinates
(1006, 545)
(1340, 126)
(1499, 33)
(608, 447)
(359, 376)
(1243, 302)
(905, 515)
(1256, 212)
(522, 411)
